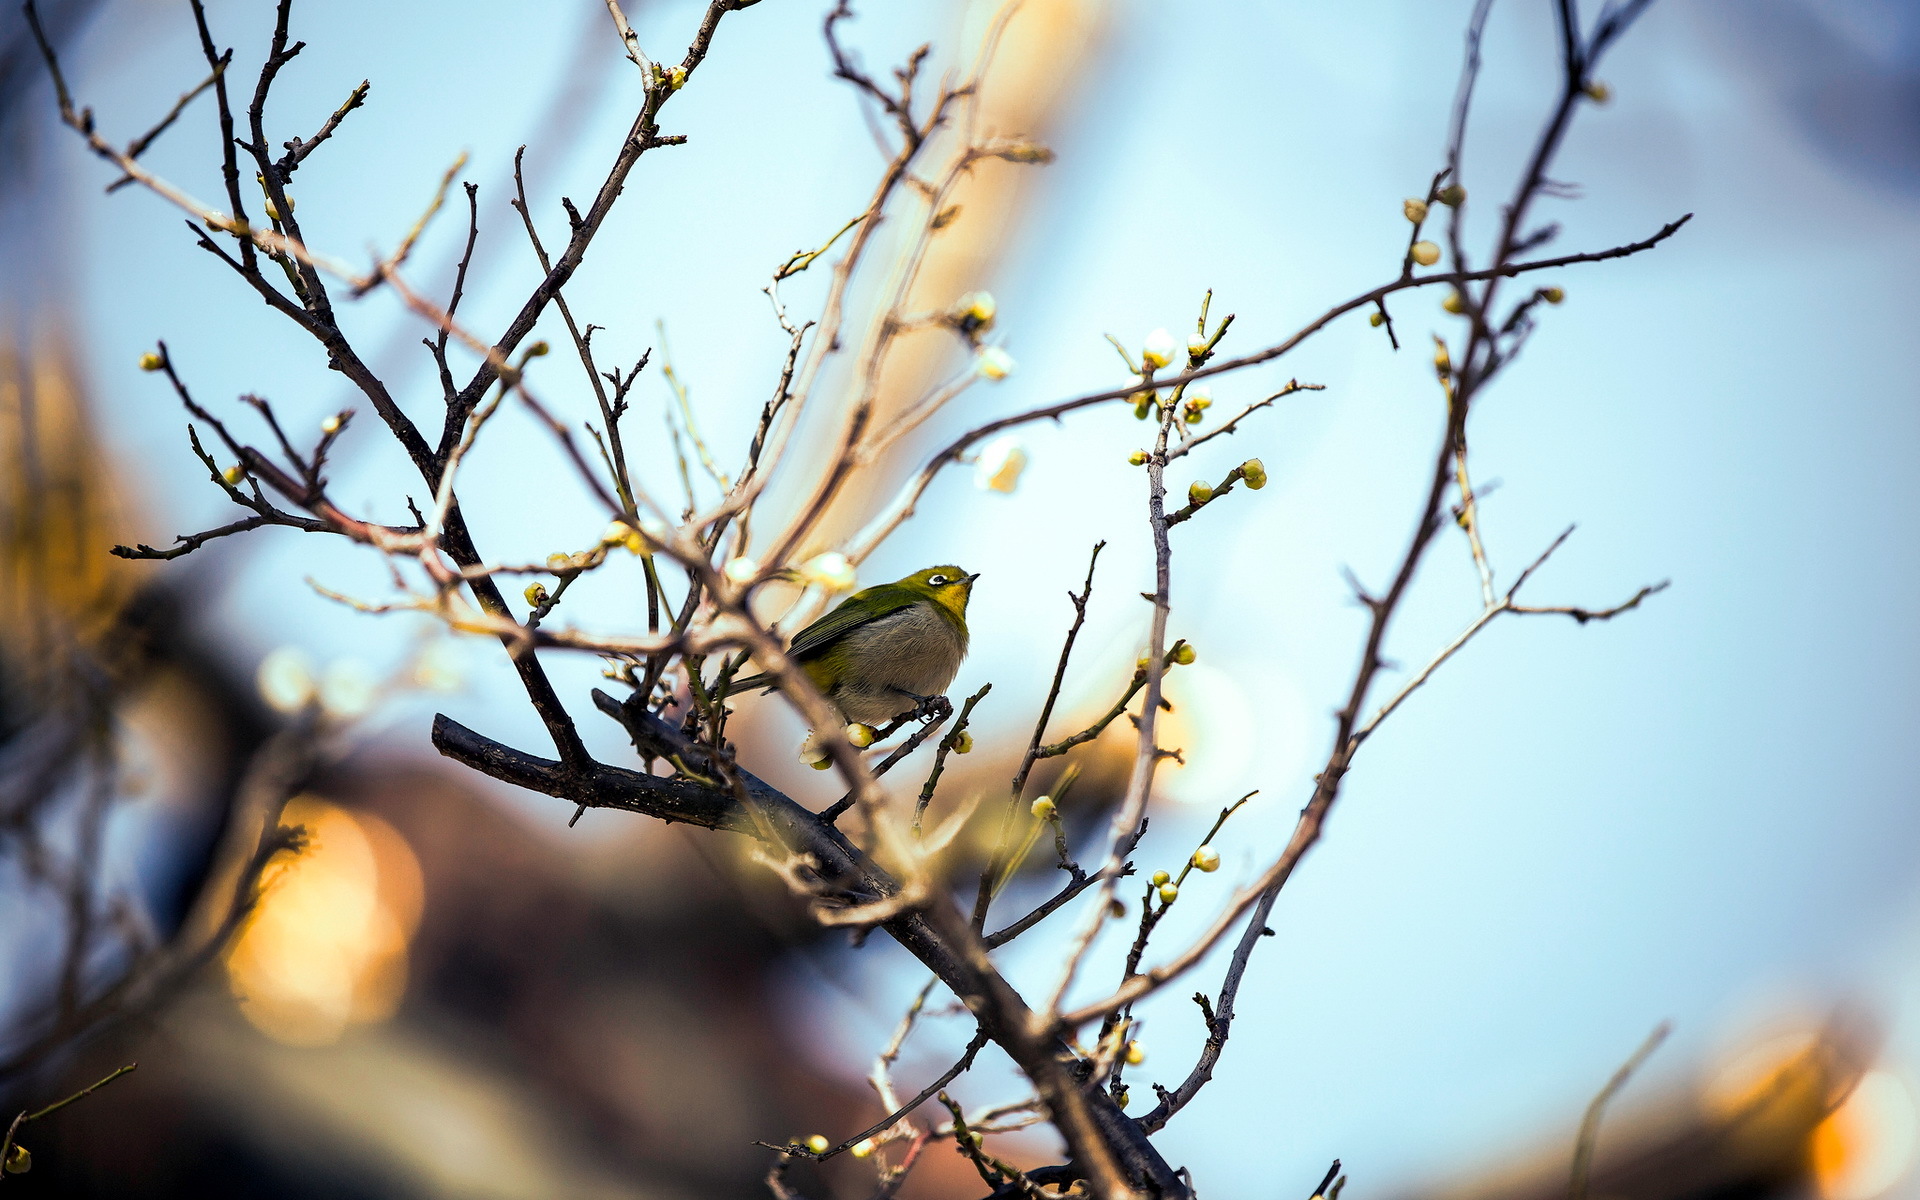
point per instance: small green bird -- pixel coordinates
(882, 649)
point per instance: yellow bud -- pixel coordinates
(1426, 253)
(1199, 396)
(862, 1149)
(860, 735)
(1452, 195)
(1043, 808)
(558, 562)
(1192, 416)
(1159, 878)
(1553, 295)
(536, 594)
(1255, 473)
(1442, 361)
(1138, 458)
(830, 570)
(1123, 1097)
(821, 764)
(332, 425)
(1199, 493)
(1157, 350)
(1206, 858)
(636, 544)
(975, 310)
(1168, 893)
(616, 534)
(1196, 349)
(19, 1161)
(1453, 303)
(1117, 909)
(963, 742)
(819, 1144)
(1142, 405)
(538, 350)
(994, 363)
(742, 570)
(1376, 318)
(1598, 92)
(1415, 208)
(1136, 1054)
(676, 77)
(151, 362)
(233, 475)
(1183, 654)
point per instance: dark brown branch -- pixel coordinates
(938, 935)
(297, 150)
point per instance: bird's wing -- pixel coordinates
(876, 602)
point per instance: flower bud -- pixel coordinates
(1376, 318)
(1159, 878)
(1193, 416)
(536, 594)
(538, 350)
(862, 1149)
(1043, 808)
(1123, 1097)
(233, 475)
(1138, 458)
(676, 77)
(558, 562)
(1117, 909)
(1598, 92)
(1157, 350)
(1183, 653)
(1442, 361)
(1136, 1054)
(1169, 893)
(1000, 464)
(818, 1142)
(742, 570)
(1415, 208)
(831, 571)
(963, 742)
(19, 1160)
(332, 425)
(975, 310)
(151, 362)
(1426, 253)
(860, 735)
(1553, 295)
(616, 534)
(1255, 473)
(1199, 396)
(1454, 304)
(1452, 195)
(993, 363)
(1199, 493)
(1206, 858)
(1197, 349)
(1142, 405)
(814, 754)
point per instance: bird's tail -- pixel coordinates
(741, 687)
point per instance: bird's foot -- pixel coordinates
(927, 708)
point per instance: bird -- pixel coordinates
(884, 649)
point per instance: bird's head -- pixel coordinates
(948, 586)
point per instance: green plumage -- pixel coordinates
(883, 646)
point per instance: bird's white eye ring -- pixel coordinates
(938, 580)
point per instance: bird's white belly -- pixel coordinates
(914, 652)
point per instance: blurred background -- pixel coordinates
(1701, 813)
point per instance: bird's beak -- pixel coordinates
(973, 577)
